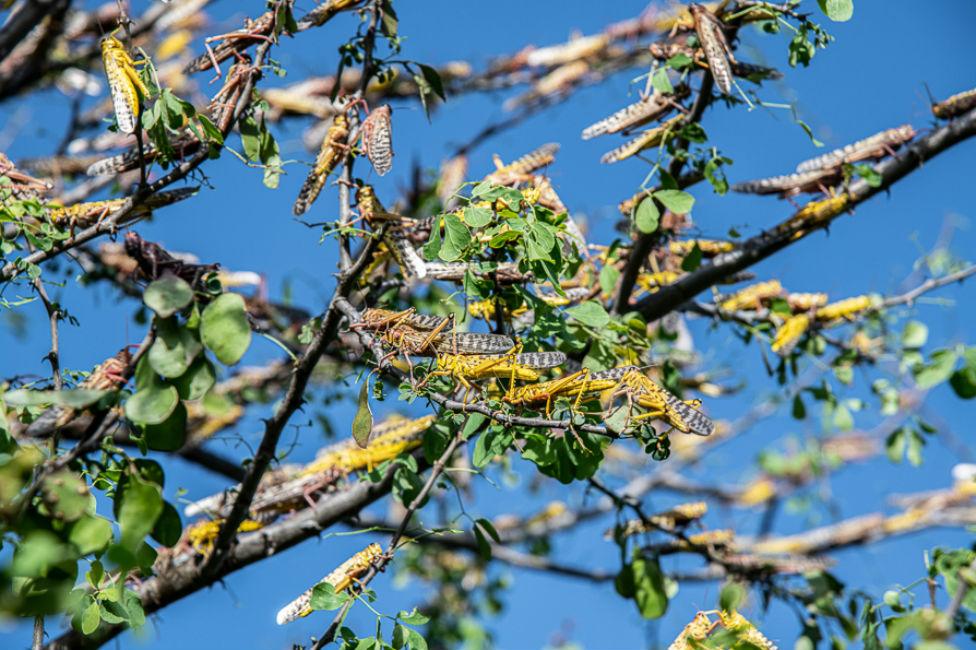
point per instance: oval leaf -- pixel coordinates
(170, 434)
(152, 405)
(839, 11)
(197, 380)
(590, 313)
(224, 329)
(168, 355)
(167, 295)
(647, 215)
(141, 505)
(675, 200)
(362, 423)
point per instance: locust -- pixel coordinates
(578, 384)
(719, 55)
(333, 145)
(340, 579)
(661, 403)
(751, 71)
(107, 376)
(637, 114)
(524, 366)
(222, 108)
(397, 232)
(708, 247)
(521, 168)
(674, 519)
(737, 631)
(288, 488)
(873, 147)
(124, 83)
(955, 105)
(420, 335)
(154, 261)
(816, 180)
(647, 139)
(325, 11)
(21, 185)
(377, 139)
(86, 214)
(790, 333)
(752, 297)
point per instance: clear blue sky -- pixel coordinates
(871, 78)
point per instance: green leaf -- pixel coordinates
(170, 434)
(693, 259)
(167, 295)
(647, 216)
(590, 313)
(90, 619)
(477, 217)
(661, 82)
(609, 275)
(66, 495)
(456, 239)
(914, 335)
(963, 382)
(91, 534)
(489, 528)
(675, 200)
(839, 11)
(431, 250)
(936, 372)
(799, 411)
(141, 503)
(415, 640)
(77, 399)
(362, 422)
(733, 594)
(413, 617)
(540, 238)
(895, 444)
(434, 79)
(649, 593)
(197, 380)
(173, 350)
(224, 328)
(324, 596)
(168, 527)
(153, 404)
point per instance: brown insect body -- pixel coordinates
(719, 55)
(377, 139)
(637, 114)
(876, 146)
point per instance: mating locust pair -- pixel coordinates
(469, 357)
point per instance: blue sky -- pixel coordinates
(871, 78)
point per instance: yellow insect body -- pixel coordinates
(389, 440)
(202, 535)
(662, 404)
(329, 156)
(699, 628)
(651, 282)
(789, 333)
(124, 83)
(806, 301)
(340, 579)
(707, 246)
(521, 167)
(465, 368)
(647, 139)
(845, 308)
(744, 629)
(752, 297)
